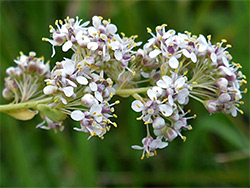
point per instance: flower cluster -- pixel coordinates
(189, 66)
(177, 67)
(99, 44)
(26, 80)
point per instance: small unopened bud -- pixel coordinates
(211, 106)
(7, 94)
(222, 83)
(170, 134)
(224, 97)
(88, 100)
(158, 123)
(10, 71)
(32, 66)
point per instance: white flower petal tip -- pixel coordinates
(173, 63)
(154, 53)
(82, 80)
(92, 46)
(67, 46)
(137, 106)
(49, 90)
(77, 115)
(68, 91)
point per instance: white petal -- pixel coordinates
(68, 91)
(170, 100)
(213, 57)
(168, 81)
(161, 84)
(154, 53)
(151, 95)
(68, 66)
(137, 106)
(92, 46)
(173, 62)
(49, 90)
(98, 96)
(193, 57)
(225, 61)
(96, 21)
(71, 83)
(186, 53)
(179, 82)
(67, 45)
(137, 147)
(118, 55)
(82, 80)
(166, 110)
(182, 95)
(64, 101)
(93, 86)
(111, 28)
(77, 115)
(92, 30)
(202, 43)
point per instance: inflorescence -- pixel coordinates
(176, 66)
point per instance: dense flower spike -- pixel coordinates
(177, 67)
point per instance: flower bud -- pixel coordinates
(224, 97)
(7, 94)
(32, 66)
(89, 100)
(222, 83)
(10, 71)
(158, 123)
(170, 133)
(212, 106)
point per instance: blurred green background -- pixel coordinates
(216, 152)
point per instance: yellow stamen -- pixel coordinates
(115, 116)
(194, 116)
(229, 45)
(165, 100)
(147, 122)
(115, 125)
(117, 102)
(149, 30)
(190, 127)
(139, 118)
(209, 37)
(223, 40)
(155, 152)
(142, 157)
(111, 94)
(241, 111)
(184, 138)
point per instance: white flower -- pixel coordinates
(150, 145)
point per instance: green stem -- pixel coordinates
(124, 92)
(24, 105)
(33, 104)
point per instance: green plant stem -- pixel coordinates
(33, 104)
(24, 105)
(131, 91)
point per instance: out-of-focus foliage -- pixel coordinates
(216, 152)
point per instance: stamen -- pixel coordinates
(149, 30)
(184, 138)
(139, 118)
